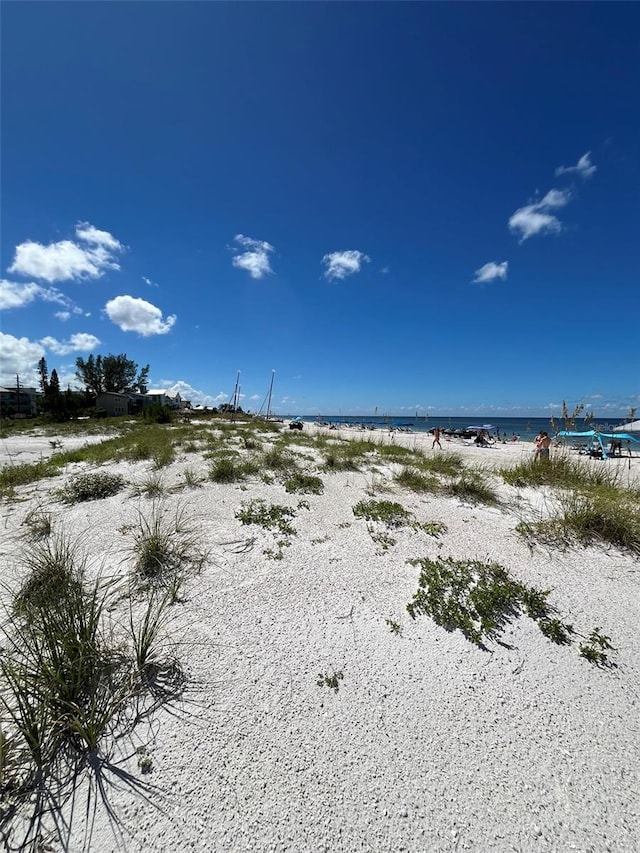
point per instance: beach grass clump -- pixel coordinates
(270, 516)
(167, 545)
(153, 486)
(38, 524)
(226, 469)
(390, 513)
(596, 516)
(398, 453)
(479, 599)
(67, 682)
(278, 459)
(472, 486)
(563, 471)
(90, 487)
(305, 483)
(447, 464)
(417, 481)
(347, 455)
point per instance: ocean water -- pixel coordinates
(526, 428)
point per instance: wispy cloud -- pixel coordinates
(491, 271)
(255, 258)
(62, 315)
(584, 167)
(80, 342)
(137, 315)
(149, 282)
(536, 218)
(18, 357)
(17, 295)
(339, 265)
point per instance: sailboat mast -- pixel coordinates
(235, 397)
(273, 373)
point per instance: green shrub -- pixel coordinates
(91, 487)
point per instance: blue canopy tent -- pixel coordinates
(616, 438)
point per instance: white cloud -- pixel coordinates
(15, 295)
(255, 260)
(196, 397)
(66, 260)
(491, 271)
(137, 315)
(584, 167)
(341, 264)
(536, 218)
(89, 234)
(80, 342)
(62, 315)
(149, 282)
(19, 357)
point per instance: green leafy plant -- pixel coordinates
(394, 626)
(596, 647)
(269, 516)
(390, 513)
(331, 680)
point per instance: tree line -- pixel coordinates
(96, 374)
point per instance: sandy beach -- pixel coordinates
(316, 714)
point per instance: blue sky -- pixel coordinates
(414, 207)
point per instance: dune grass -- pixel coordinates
(70, 678)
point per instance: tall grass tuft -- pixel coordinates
(166, 546)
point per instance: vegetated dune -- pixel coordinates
(312, 711)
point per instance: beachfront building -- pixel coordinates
(18, 402)
(172, 399)
(119, 403)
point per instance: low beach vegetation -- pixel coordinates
(472, 485)
(38, 524)
(71, 679)
(152, 486)
(305, 483)
(417, 481)
(90, 487)
(269, 516)
(482, 599)
(588, 518)
(330, 679)
(390, 513)
(166, 547)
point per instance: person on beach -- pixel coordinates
(436, 438)
(543, 443)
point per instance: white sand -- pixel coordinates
(429, 744)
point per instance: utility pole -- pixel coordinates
(18, 393)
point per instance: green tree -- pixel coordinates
(115, 373)
(44, 375)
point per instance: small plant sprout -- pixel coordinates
(393, 626)
(269, 516)
(596, 647)
(331, 680)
